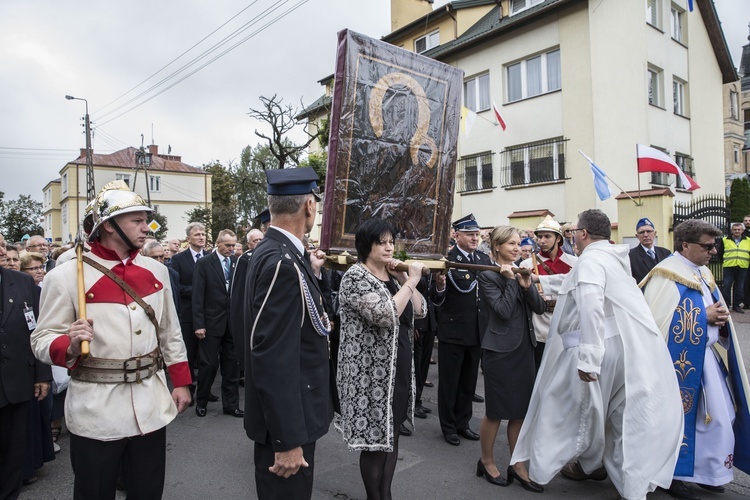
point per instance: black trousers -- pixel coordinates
(96, 465)
(422, 354)
(13, 419)
(269, 486)
(191, 344)
(215, 352)
(458, 368)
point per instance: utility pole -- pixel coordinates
(90, 189)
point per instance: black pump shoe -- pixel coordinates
(482, 471)
(527, 485)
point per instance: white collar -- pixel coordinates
(296, 241)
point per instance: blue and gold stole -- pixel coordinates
(687, 345)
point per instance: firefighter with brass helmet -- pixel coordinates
(118, 402)
(550, 260)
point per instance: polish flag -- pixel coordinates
(497, 115)
(653, 160)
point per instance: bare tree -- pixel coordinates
(280, 117)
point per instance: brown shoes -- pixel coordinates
(575, 472)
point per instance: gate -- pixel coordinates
(710, 208)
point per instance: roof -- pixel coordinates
(323, 102)
(644, 193)
(125, 158)
(492, 25)
(438, 13)
(530, 213)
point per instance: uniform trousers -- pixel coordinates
(458, 368)
(96, 465)
(191, 345)
(269, 486)
(13, 419)
(422, 355)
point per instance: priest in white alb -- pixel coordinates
(605, 395)
(695, 322)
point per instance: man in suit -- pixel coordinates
(21, 376)
(184, 264)
(461, 318)
(211, 282)
(39, 245)
(646, 255)
(237, 294)
(289, 398)
(156, 251)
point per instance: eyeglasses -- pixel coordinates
(579, 229)
(43, 245)
(157, 257)
(34, 269)
(645, 231)
(706, 246)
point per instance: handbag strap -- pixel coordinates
(125, 288)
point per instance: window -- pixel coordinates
(154, 183)
(519, 5)
(534, 163)
(675, 26)
(686, 164)
(678, 96)
(660, 178)
(156, 208)
(477, 93)
(123, 177)
(746, 116)
(534, 76)
(475, 172)
(652, 13)
(64, 215)
(736, 154)
(64, 182)
(734, 104)
(654, 87)
(427, 42)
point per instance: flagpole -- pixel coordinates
(638, 175)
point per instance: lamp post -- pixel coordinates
(90, 190)
(143, 160)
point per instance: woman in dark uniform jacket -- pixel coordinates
(507, 354)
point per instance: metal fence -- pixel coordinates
(710, 208)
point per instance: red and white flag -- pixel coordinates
(652, 160)
(497, 115)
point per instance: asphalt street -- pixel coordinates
(211, 458)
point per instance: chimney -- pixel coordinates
(153, 149)
(83, 153)
(405, 11)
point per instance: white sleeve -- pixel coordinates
(590, 300)
(551, 284)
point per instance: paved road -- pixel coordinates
(211, 458)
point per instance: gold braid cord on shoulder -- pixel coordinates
(673, 276)
(420, 138)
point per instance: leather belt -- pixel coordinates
(550, 305)
(118, 371)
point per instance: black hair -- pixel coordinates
(370, 232)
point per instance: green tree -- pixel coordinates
(319, 162)
(223, 198)
(200, 214)
(251, 181)
(162, 220)
(19, 217)
(739, 199)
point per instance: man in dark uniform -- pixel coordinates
(21, 376)
(646, 255)
(289, 396)
(460, 321)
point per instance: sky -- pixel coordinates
(103, 51)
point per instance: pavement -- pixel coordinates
(211, 458)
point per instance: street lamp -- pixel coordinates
(90, 190)
(143, 161)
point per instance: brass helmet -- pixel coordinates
(550, 225)
(114, 199)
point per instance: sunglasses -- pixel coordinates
(706, 246)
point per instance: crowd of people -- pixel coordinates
(602, 359)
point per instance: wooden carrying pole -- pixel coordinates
(81, 293)
(345, 260)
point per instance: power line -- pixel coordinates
(205, 53)
(38, 149)
(270, 23)
(176, 58)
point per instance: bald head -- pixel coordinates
(253, 238)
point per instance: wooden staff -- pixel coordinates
(536, 270)
(81, 292)
(431, 266)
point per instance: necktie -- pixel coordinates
(471, 258)
(226, 268)
(197, 256)
(651, 254)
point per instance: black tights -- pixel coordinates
(377, 469)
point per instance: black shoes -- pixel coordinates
(482, 471)
(468, 434)
(712, 489)
(429, 384)
(235, 412)
(200, 411)
(212, 398)
(477, 398)
(403, 430)
(575, 472)
(738, 309)
(452, 439)
(682, 491)
(425, 409)
(527, 485)
(419, 412)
